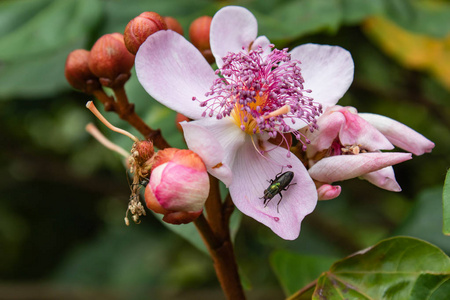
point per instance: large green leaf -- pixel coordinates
(446, 204)
(396, 268)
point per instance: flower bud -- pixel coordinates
(174, 25)
(328, 191)
(78, 74)
(110, 60)
(145, 150)
(199, 35)
(139, 29)
(178, 187)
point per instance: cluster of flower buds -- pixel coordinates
(111, 58)
(108, 64)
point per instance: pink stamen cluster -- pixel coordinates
(259, 84)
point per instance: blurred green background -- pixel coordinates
(63, 196)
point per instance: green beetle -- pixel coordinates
(281, 183)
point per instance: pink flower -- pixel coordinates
(178, 187)
(257, 93)
(348, 145)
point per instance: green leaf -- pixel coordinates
(295, 270)
(446, 204)
(280, 20)
(34, 49)
(432, 287)
(354, 11)
(14, 12)
(54, 26)
(396, 268)
(423, 17)
(34, 78)
(297, 18)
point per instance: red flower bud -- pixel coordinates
(139, 29)
(178, 187)
(110, 60)
(78, 74)
(199, 35)
(145, 151)
(174, 25)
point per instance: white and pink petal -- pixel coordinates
(208, 138)
(358, 131)
(232, 28)
(343, 167)
(327, 71)
(251, 175)
(173, 71)
(399, 134)
(384, 178)
(330, 124)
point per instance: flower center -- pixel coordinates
(262, 93)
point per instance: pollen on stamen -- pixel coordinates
(263, 92)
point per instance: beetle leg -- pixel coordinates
(281, 198)
(286, 188)
(276, 176)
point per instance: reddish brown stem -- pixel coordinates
(222, 253)
(227, 210)
(107, 101)
(213, 208)
(216, 234)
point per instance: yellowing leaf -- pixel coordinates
(414, 51)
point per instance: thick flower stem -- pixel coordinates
(221, 247)
(222, 253)
(213, 207)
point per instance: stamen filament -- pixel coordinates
(281, 111)
(90, 105)
(93, 130)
